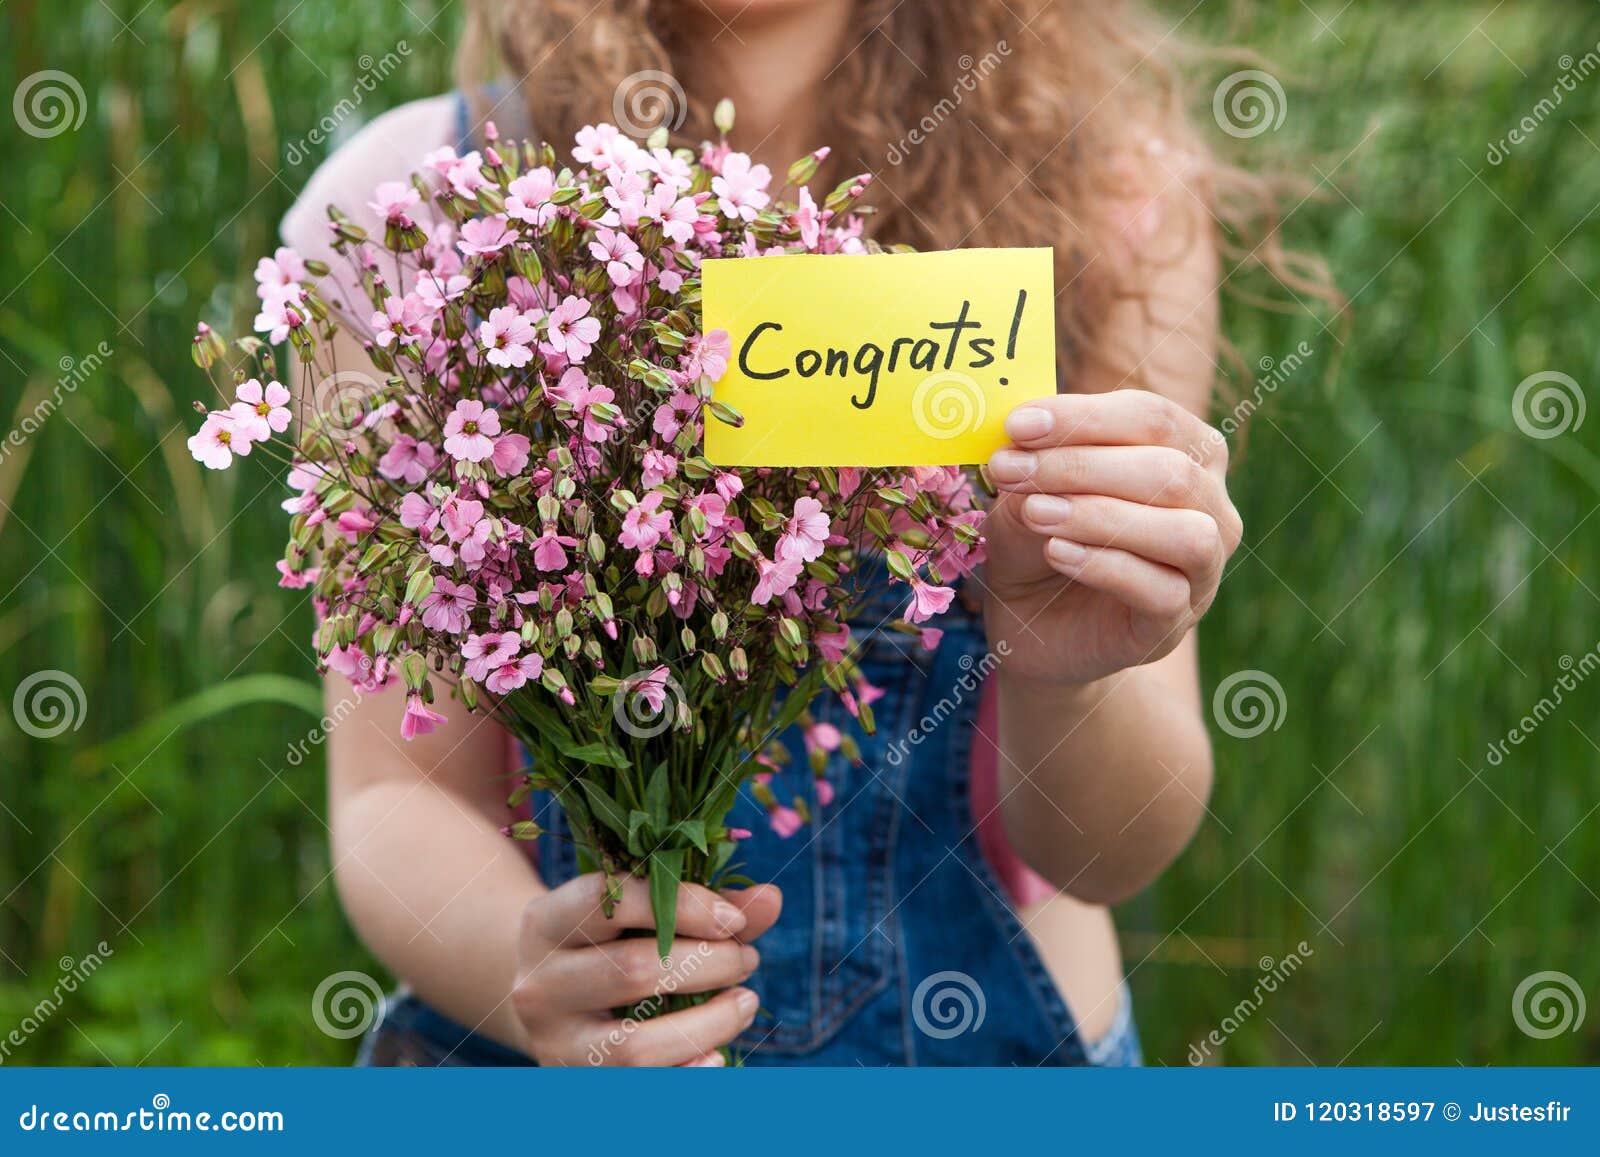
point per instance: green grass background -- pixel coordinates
(1415, 565)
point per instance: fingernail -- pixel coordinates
(728, 917)
(710, 1061)
(750, 958)
(1066, 551)
(1029, 422)
(1012, 466)
(1047, 509)
(747, 1002)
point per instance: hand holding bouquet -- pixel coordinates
(516, 507)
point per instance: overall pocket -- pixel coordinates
(833, 948)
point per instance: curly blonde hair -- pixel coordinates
(984, 122)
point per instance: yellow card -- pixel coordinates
(885, 359)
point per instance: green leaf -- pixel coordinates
(666, 869)
(639, 828)
(658, 797)
(605, 808)
(599, 753)
(694, 831)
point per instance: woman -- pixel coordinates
(951, 905)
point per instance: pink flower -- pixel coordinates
(449, 607)
(217, 441)
(513, 673)
(284, 269)
(741, 188)
(574, 389)
(824, 792)
(529, 197)
(670, 418)
(621, 255)
(391, 199)
(777, 578)
(484, 653)
(643, 524)
(419, 719)
(832, 645)
(260, 412)
(707, 355)
(408, 460)
(806, 532)
(485, 236)
(437, 290)
(927, 600)
(510, 455)
(823, 737)
(547, 550)
(657, 467)
(739, 833)
(807, 219)
(507, 337)
(464, 174)
(785, 821)
(572, 332)
(677, 217)
(295, 580)
(651, 687)
(280, 313)
(403, 319)
(603, 146)
(469, 431)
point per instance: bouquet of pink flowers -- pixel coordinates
(516, 505)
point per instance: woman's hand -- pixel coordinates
(574, 966)
(1110, 534)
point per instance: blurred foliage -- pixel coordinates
(1415, 565)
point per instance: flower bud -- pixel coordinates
(722, 116)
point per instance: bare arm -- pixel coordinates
(430, 883)
(1108, 543)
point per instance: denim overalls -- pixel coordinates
(897, 944)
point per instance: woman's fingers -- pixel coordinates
(676, 1038)
(624, 972)
(761, 905)
(1128, 417)
(1188, 540)
(1156, 475)
(573, 915)
(1147, 587)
